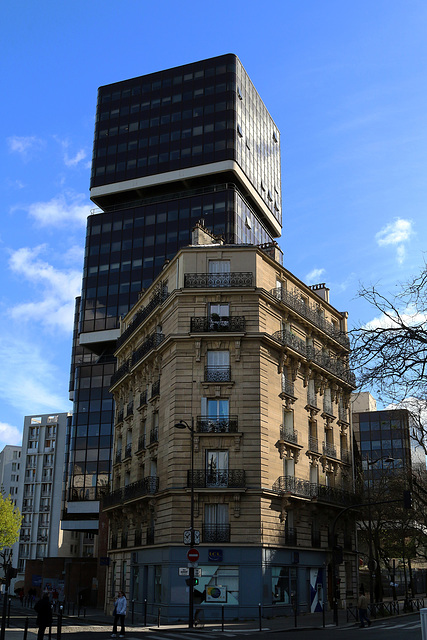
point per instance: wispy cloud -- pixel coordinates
(9, 435)
(396, 233)
(409, 316)
(314, 275)
(24, 145)
(28, 380)
(61, 210)
(58, 289)
(73, 160)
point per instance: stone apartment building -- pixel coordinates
(232, 343)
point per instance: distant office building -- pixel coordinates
(41, 487)
(170, 148)
(382, 437)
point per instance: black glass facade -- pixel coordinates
(171, 148)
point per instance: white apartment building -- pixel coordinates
(10, 470)
(40, 488)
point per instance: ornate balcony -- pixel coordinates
(129, 409)
(128, 451)
(288, 388)
(155, 389)
(120, 416)
(329, 450)
(313, 314)
(218, 280)
(289, 436)
(121, 372)
(222, 324)
(313, 444)
(118, 456)
(205, 479)
(141, 488)
(143, 398)
(152, 342)
(294, 486)
(141, 443)
(154, 435)
(217, 424)
(216, 532)
(141, 315)
(303, 488)
(217, 373)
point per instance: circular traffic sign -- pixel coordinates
(193, 555)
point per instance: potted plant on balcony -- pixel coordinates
(215, 321)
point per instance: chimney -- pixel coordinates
(321, 290)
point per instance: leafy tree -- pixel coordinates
(390, 353)
(10, 522)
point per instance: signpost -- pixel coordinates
(193, 555)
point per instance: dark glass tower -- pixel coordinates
(170, 148)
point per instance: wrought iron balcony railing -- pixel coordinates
(332, 364)
(118, 456)
(128, 451)
(288, 435)
(120, 416)
(143, 398)
(313, 444)
(152, 342)
(203, 478)
(129, 409)
(288, 387)
(222, 324)
(140, 488)
(141, 443)
(141, 315)
(154, 435)
(217, 424)
(217, 373)
(120, 373)
(216, 532)
(218, 280)
(311, 313)
(329, 450)
(306, 489)
(343, 414)
(155, 389)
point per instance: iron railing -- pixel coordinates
(155, 389)
(118, 456)
(218, 280)
(314, 314)
(141, 443)
(121, 372)
(288, 387)
(143, 398)
(128, 451)
(329, 450)
(216, 532)
(152, 342)
(154, 435)
(217, 373)
(304, 488)
(142, 314)
(313, 444)
(140, 488)
(129, 409)
(203, 478)
(222, 324)
(217, 424)
(288, 435)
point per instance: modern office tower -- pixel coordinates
(231, 345)
(41, 486)
(382, 437)
(170, 148)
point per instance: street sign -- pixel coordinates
(197, 573)
(187, 537)
(193, 555)
(183, 571)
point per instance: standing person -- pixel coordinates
(119, 614)
(44, 615)
(362, 605)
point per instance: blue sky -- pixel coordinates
(344, 81)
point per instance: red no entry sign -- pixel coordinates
(193, 555)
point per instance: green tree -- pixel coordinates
(10, 522)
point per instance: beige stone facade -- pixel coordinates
(256, 362)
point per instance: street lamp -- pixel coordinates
(182, 424)
(372, 565)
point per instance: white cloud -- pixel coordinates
(72, 162)
(396, 234)
(61, 210)
(28, 379)
(9, 435)
(55, 308)
(24, 144)
(314, 276)
(409, 316)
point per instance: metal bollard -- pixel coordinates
(8, 612)
(260, 616)
(323, 615)
(158, 617)
(222, 617)
(25, 629)
(59, 626)
(133, 610)
(145, 612)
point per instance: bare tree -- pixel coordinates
(390, 353)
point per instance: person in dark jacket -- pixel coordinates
(44, 615)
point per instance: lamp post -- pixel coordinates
(372, 564)
(182, 424)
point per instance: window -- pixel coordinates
(283, 584)
(216, 468)
(219, 266)
(216, 527)
(218, 366)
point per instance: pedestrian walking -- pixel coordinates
(119, 613)
(44, 615)
(362, 605)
